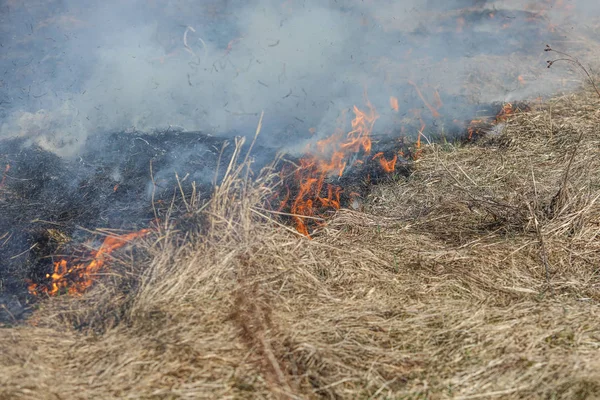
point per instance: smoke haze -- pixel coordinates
(71, 69)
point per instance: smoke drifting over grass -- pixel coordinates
(72, 69)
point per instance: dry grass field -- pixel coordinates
(477, 277)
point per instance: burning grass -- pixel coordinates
(75, 277)
(465, 280)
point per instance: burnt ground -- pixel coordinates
(126, 180)
(475, 277)
(50, 205)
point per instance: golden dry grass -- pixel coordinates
(469, 279)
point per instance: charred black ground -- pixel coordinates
(50, 205)
(126, 180)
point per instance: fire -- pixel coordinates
(474, 127)
(481, 125)
(394, 103)
(417, 113)
(76, 278)
(434, 112)
(387, 165)
(505, 112)
(6, 169)
(437, 99)
(308, 191)
(329, 157)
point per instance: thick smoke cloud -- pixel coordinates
(73, 69)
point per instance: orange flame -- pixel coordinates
(437, 99)
(77, 278)
(434, 112)
(507, 110)
(329, 157)
(482, 125)
(387, 165)
(417, 113)
(473, 127)
(394, 103)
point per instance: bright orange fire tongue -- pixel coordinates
(387, 165)
(77, 278)
(507, 110)
(330, 157)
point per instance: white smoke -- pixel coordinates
(110, 65)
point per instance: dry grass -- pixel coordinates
(465, 280)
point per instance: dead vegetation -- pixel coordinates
(465, 280)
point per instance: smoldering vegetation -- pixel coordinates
(475, 276)
(52, 206)
(469, 272)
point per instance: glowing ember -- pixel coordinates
(77, 277)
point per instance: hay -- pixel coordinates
(460, 281)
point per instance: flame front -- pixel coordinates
(331, 157)
(75, 278)
(386, 165)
